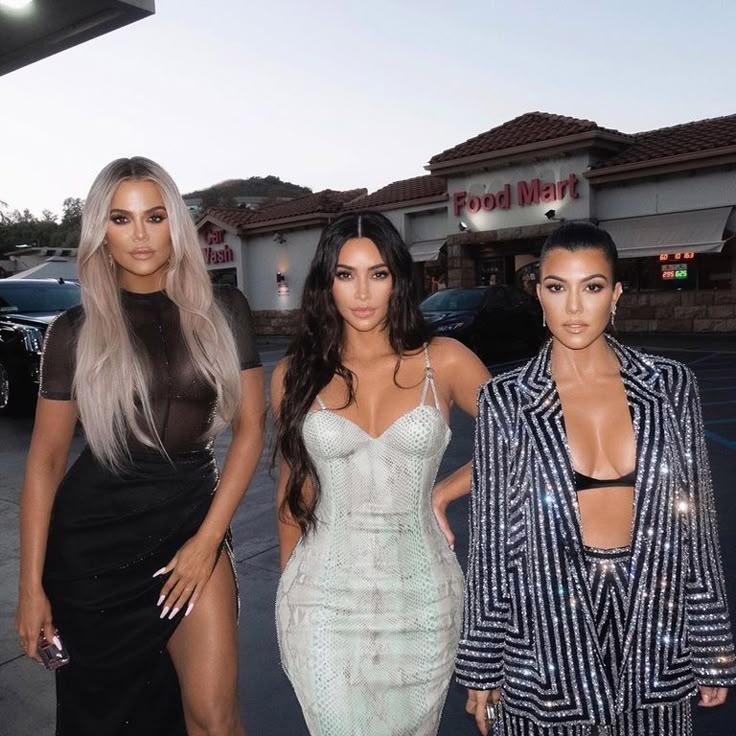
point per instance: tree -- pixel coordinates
(72, 211)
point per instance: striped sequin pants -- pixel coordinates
(608, 580)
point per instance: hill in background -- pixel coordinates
(252, 192)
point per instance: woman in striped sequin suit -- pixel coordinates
(576, 637)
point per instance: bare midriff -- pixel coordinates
(606, 516)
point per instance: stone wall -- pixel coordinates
(677, 311)
(275, 322)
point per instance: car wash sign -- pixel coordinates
(521, 194)
(217, 252)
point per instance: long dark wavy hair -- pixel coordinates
(315, 354)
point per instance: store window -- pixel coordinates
(681, 271)
(227, 276)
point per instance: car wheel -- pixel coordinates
(4, 387)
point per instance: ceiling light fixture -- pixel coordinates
(15, 4)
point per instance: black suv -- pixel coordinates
(27, 307)
(494, 321)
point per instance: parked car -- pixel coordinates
(493, 321)
(27, 307)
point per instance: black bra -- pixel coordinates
(584, 482)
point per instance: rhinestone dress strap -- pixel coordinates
(320, 402)
(428, 379)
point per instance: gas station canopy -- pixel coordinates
(31, 30)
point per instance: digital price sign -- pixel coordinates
(674, 271)
(674, 257)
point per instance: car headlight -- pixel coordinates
(32, 339)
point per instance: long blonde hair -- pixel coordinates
(111, 381)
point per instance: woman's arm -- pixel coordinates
(463, 374)
(487, 605)
(192, 565)
(45, 466)
(709, 629)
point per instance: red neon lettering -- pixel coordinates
(488, 202)
(473, 205)
(549, 192)
(573, 184)
(214, 257)
(528, 192)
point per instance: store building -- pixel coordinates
(266, 252)
(668, 197)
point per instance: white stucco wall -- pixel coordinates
(676, 193)
(264, 257)
(419, 223)
(426, 225)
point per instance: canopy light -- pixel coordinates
(15, 4)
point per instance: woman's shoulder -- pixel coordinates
(447, 353)
(668, 371)
(68, 322)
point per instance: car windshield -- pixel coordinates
(453, 300)
(40, 298)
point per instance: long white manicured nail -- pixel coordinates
(164, 612)
(189, 608)
(159, 572)
(161, 600)
(174, 611)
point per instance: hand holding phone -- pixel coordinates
(53, 653)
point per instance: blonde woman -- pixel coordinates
(122, 554)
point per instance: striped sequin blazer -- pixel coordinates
(528, 624)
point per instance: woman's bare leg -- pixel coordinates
(204, 649)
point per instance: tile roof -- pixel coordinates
(327, 201)
(405, 190)
(700, 135)
(234, 216)
(532, 127)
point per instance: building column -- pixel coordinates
(460, 265)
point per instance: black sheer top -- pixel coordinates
(183, 404)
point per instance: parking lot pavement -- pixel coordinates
(268, 704)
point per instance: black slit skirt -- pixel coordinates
(108, 535)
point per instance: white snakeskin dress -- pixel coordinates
(369, 607)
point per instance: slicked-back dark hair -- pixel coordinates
(574, 236)
(315, 354)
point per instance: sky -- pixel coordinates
(358, 93)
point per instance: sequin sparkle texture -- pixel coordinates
(531, 626)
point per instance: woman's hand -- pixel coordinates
(712, 696)
(439, 506)
(189, 570)
(476, 705)
(32, 617)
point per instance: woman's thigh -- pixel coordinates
(204, 649)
